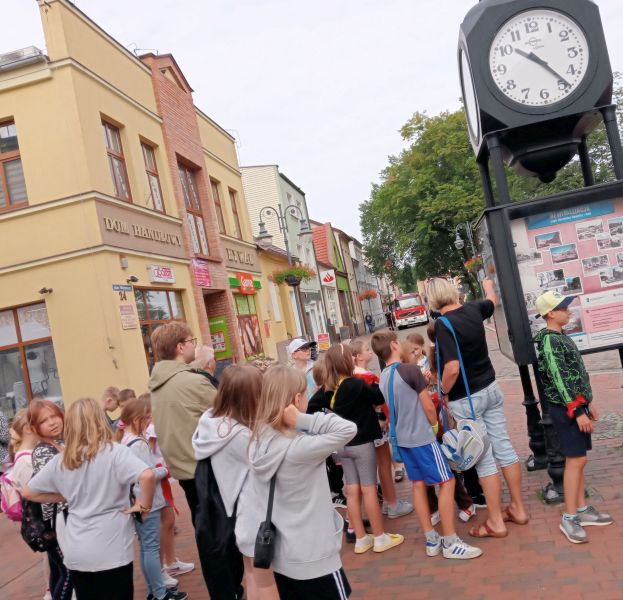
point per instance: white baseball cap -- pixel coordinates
(299, 344)
(552, 300)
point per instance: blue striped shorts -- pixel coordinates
(427, 464)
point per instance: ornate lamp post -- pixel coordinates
(304, 230)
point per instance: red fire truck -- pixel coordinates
(409, 310)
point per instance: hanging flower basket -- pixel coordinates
(473, 265)
(367, 295)
(293, 275)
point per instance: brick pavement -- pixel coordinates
(535, 561)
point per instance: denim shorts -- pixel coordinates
(488, 406)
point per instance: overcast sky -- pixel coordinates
(319, 87)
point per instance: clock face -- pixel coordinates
(539, 58)
(469, 96)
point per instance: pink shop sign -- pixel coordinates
(202, 273)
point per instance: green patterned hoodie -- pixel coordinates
(561, 368)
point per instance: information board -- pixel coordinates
(577, 251)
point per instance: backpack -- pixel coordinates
(38, 534)
(10, 498)
(221, 561)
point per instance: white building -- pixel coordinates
(271, 193)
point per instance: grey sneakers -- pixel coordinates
(591, 516)
(573, 530)
(401, 509)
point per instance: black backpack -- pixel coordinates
(221, 561)
(40, 535)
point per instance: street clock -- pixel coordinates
(535, 72)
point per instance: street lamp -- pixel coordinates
(282, 221)
(459, 244)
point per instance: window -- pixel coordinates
(217, 205)
(275, 301)
(116, 161)
(151, 168)
(12, 184)
(154, 308)
(194, 212)
(27, 360)
(248, 325)
(234, 210)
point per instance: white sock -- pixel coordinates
(381, 540)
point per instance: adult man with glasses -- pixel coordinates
(179, 396)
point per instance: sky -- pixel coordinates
(320, 87)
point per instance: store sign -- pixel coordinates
(246, 283)
(161, 274)
(328, 278)
(128, 317)
(128, 228)
(324, 342)
(576, 251)
(201, 270)
(239, 254)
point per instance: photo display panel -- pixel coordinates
(577, 251)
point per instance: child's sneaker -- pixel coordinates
(433, 548)
(591, 516)
(573, 530)
(467, 513)
(402, 508)
(435, 518)
(460, 550)
(387, 541)
(364, 544)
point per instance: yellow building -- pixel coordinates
(96, 247)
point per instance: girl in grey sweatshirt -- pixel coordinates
(293, 447)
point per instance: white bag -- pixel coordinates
(465, 445)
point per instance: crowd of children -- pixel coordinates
(276, 449)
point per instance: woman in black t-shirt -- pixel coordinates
(467, 321)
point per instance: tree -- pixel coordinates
(434, 184)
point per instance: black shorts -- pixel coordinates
(573, 443)
(333, 586)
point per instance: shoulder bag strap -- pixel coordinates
(448, 325)
(339, 383)
(271, 497)
(390, 400)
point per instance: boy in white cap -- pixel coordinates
(567, 389)
(300, 352)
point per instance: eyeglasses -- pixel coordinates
(192, 340)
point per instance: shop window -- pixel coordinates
(12, 183)
(27, 361)
(248, 325)
(234, 210)
(194, 212)
(218, 206)
(151, 168)
(116, 161)
(155, 307)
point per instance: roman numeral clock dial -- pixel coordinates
(539, 58)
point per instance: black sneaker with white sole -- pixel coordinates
(170, 595)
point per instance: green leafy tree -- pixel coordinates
(434, 184)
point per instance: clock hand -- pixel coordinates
(539, 61)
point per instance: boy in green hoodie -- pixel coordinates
(567, 389)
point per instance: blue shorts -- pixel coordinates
(426, 463)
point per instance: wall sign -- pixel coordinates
(246, 283)
(328, 277)
(128, 228)
(161, 274)
(240, 255)
(128, 317)
(201, 270)
(219, 332)
(324, 342)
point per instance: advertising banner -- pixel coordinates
(324, 342)
(219, 332)
(161, 274)
(328, 278)
(577, 251)
(201, 269)
(246, 283)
